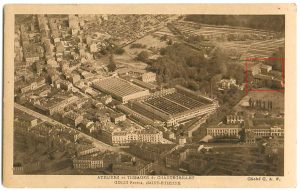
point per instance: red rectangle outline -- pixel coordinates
(262, 59)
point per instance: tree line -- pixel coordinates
(180, 64)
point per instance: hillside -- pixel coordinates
(263, 22)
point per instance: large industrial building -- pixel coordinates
(173, 106)
(120, 89)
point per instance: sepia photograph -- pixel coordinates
(156, 98)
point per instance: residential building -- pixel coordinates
(95, 160)
(106, 99)
(226, 84)
(265, 69)
(266, 130)
(31, 84)
(117, 117)
(73, 118)
(169, 134)
(181, 140)
(54, 104)
(115, 136)
(224, 130)
(70, 135)
(148, 77)
(250, 137)
(234, 119)
(74, 78)
(32, 52)
(87, 125)
(89, 161)
(25, 119)
(65, 85)
(261, 104)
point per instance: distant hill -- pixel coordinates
(264, 22)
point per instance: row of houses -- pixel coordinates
(235, 126)
(96, 160)
(113, 162)
(54, 104)
(116, 136)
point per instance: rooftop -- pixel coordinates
(116, 115)
(226, 126)
(117, 86)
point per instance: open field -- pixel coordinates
(164, 31)
(252, 48)
(248, 43)
(263, 49)
(152, 45)
(127, 60)
(204, 29)
(150, 41)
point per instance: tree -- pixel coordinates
(138, 45)
(162, 51)
(276, 64)
(193, 60)
(143, 56)
(269, 83)
(242, 135)
(111, 65)
(163, 38)
(237, 72)
(170, 42)
(104, 51)
(193, 85)
(119, 50)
